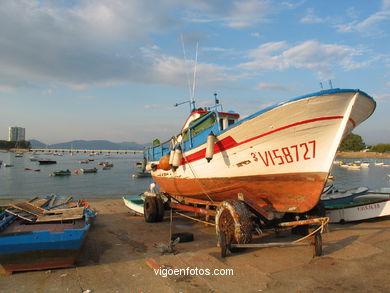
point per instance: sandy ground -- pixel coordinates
(120, 252)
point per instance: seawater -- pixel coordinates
(115, 182)
(15, 182)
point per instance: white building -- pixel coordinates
(16, 133)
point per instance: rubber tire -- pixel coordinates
(160, 209)
(150, 209)
(183, 236)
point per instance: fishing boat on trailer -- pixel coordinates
(279, 157)
(43, 233)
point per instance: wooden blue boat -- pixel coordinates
(36, 236)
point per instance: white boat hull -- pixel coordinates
(359, 211)
(279, 158)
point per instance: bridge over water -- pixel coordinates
(87, 151)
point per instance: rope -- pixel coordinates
(322, 227)
(197, 179)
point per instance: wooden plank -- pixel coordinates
(28, 207)
(21, 214)
(52, 200)
(66, 214)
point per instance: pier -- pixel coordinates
(87, 151)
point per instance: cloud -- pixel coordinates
(370, 26)
(312, 55)
(92, 43)
(273, 87)
(311, 18)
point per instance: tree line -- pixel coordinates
(354, 142)
(6, 145)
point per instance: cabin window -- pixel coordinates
(230, 122)
(221, 124)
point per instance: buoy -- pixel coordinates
(210, 146)
(76, 172)
(171, 155)
(164, 163)
(177, 158)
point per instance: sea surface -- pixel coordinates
(15, 182)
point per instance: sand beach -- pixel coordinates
(120, 255)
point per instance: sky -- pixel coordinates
(112, 70)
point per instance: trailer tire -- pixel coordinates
(150, 209)
(233, 225)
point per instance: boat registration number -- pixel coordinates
(286, 155)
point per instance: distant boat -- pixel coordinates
(378, 163)
(8, 165)
(365, 164)
(107, 166)
(47, 162)
(66, 172)
(86, 161)
(93, 170)
(29, 169)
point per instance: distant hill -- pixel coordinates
(88, 144)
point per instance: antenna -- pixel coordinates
(330, 84)
(194, 81)
(192, 92)
(185, 62)
(322, 88)
(215, 98)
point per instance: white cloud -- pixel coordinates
(312, 55)
(370, 26)
(273, 87)
(310, 17)
(247, 13)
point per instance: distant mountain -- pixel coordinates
(36, 144)
(88, 144)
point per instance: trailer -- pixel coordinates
(237, 220)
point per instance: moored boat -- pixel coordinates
(66, 172)
(279, 157)
(91, 170)
(47, 162)
(32, 170)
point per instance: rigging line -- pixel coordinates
(185, 62)
(197, 178)
(194, 81)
